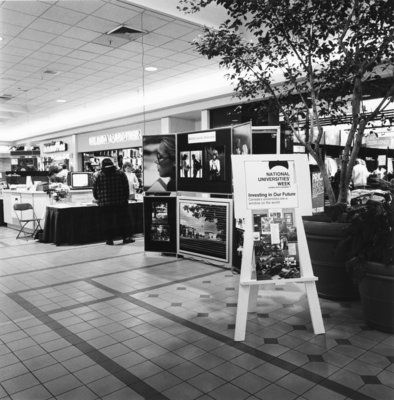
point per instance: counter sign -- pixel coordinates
(270, 184)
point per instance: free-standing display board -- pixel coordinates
(205, 161)
(204, 228)
(271, 194)
(160, 223)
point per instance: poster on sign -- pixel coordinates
(270, 184)
(275, 244)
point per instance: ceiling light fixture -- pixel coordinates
(150, 69)
(61, 101)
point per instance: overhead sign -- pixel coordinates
(270, 184)
(117, 137)
(55, 147)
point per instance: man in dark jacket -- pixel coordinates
(111, 190)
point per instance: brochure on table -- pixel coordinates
(271, 194)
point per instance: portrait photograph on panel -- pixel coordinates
(184, 164)
(204, 228)
(160, 223)
(159, 162)
(215, 163)
(196, 164)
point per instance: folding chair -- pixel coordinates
(25, 214)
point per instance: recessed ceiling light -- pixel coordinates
(61, 101)
(1, 38)
(150, 69)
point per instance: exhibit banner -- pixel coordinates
(270, 184)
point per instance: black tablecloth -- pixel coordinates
(78, 225)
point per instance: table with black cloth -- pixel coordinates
(77, 224)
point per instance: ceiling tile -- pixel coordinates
(35, 8)
(46, 25)
(83, 55)
(148, 22)
(81, 34)
(68, 42)
(97, 24)
(86, 6)
(153, 39)
(58, 50)
(8, 29)
(63, 15)
(25, 44)
(95, 48)
(160, 52)
(174, 30)
(177, 45)
(17, 18)
(9, 51)
(115, 13)
(37, 36)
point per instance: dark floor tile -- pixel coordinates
(343, 341)
(315, 358)
(271, 341)
(371, 380)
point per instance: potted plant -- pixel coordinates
(314, 60)
(369, 244)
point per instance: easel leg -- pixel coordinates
(254, 292)
(314, 308)
(242, 312)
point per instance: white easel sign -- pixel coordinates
(270, 184)
(271, 194)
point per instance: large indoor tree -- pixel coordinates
(314, 58)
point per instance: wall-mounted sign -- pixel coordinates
(201, 137)
(54, 147)
(117, 137)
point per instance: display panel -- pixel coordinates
(159, 160)
(160, 223)
(80, 180)
(205, 161)
(204, 228)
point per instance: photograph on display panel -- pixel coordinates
(204, 228)
(205, 161)
(214, 165)
(275, 244)
(242, 139)
(159, 161)
(160, 223)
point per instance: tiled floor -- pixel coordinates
(111, 322)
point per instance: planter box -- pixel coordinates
(328, 262)
(377, 296)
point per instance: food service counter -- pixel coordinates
(67, 223)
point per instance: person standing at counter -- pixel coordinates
(62, 174)
(134, 183)
(111, 190)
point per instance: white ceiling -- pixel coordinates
(59, 50)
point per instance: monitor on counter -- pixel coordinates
(80, 180)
